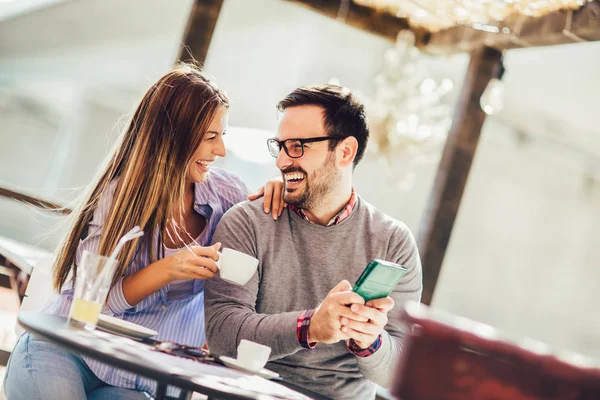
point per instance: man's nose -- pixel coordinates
(283, 160)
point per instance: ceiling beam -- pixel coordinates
(559, 27)
(199, 30)
(365, 18)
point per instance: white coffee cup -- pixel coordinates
(236, 267)
(252, 356)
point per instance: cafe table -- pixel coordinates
(208, 378)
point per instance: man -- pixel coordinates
(323, 336)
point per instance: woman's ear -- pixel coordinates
(347, 149)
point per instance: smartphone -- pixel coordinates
(378, 279)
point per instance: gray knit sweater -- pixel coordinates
(299, 264)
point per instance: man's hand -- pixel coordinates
(325, 323)
(375, 311)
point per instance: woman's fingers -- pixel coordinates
(276, 204)
(257, 195)
(268, 193)
(196, 272)
(210, 251)
(204, 262)
(272, 191)
(282, 205)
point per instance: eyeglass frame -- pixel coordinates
(282, 145)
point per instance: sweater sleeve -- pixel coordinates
(379, 367)
(231, 309)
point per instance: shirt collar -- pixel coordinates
(338, 218)
(205, 198)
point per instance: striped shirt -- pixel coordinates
(179, 320)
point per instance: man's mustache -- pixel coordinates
(292, 170)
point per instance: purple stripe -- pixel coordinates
(180, 320)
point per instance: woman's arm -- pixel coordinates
(195, 262)
(138, 286)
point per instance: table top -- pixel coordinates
(132, 355)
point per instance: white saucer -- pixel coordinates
(235, 363)
(122, 327)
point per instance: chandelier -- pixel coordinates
(407, 113)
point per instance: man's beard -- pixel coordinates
(316, 187)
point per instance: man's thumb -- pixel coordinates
(343, 286)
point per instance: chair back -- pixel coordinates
(39, 289)
(446, 357)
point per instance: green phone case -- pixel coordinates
(378, 279)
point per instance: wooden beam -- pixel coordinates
(11, 194)
(453, 171)
(365, 18)
(199, 30)
(560, 27)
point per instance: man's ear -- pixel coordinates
(347, 149)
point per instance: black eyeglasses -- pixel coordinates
(294, 148)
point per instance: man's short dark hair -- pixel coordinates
(344, 115)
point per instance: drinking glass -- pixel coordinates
(94, 276)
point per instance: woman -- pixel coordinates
(160, 178)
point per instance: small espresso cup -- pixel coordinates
(252, 356)
(236, 267)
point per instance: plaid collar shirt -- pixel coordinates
(339, 217)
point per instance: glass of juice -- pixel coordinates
(94, 276)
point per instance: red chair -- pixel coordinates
(452, 358)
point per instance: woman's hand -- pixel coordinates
(195, 262)
(273, 192)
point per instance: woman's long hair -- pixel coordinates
(151, 160)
